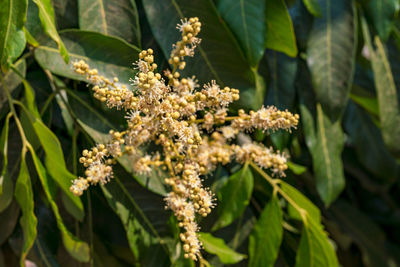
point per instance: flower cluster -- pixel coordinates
(190, 126)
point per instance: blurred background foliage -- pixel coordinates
(335, 62)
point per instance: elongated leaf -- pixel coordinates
(266, 236)
(234, 196)
(327, 161)
(8, 221)
(280, 32)
(218, 247)
(6, 183)
(140, 232)
(46, 15)
(368, 103)
(66, 14)
(246, 19)
(12, 36)
(331, 54)
(389, 109)
(302, 202)
(210, 61)
(113, 58)
(12, 81)
(314, 249)
(115, 18)
(383, 14)
(313, 7)
(75, 247)
(24, 196)
(55, 162)
(367, 138)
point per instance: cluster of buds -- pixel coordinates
(190, 126)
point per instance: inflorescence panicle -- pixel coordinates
(191, 127)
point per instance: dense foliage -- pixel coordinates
(335, 63)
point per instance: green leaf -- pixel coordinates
(383, 14)
(315, 250)
(217, 246)
(301, 201)
(12, 81)
(296, 168)
(280, 32)
(234, 197)
(113, 58)
(246, 19)
(143, 239)
(8, 222)
(266, 237)
(6, 183)
(389, 109)
(46, 15)
(111, 17)
(313, 7)
(78, 249)
(24, 196)
(368, 142)
(327, 161)
(54, 160)
(368, 103)
(12, 36)
(331, 54)
(210, 61)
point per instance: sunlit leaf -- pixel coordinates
(218, 247)
(266, 236)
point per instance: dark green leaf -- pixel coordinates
(24, 196)
(246, 19)
(327, 161)
(266, 237)
(389, 109)
(66, 13)
(280, 32)
(115, 18)
(234, 196)
(8, 221)
(367, 138)
(365, 233)
(75, 247)
(217, 246)
(12, 36)
(6, 183)
(383, 14)
(210, 61)
(331, 54)
(113, 58)
(368, 103)
(46, 15)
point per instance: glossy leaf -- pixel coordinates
(383, 14)
(78, 249)
(234, 197)
(331, 54)
(115, 18)
(266, 237)
(6, 183)
(12, 36)
(280, 32)
(55, 162)
(46, 15)
(24, 196)
(217, 246)
(389, 108)
(209, 62)
(113, 58)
